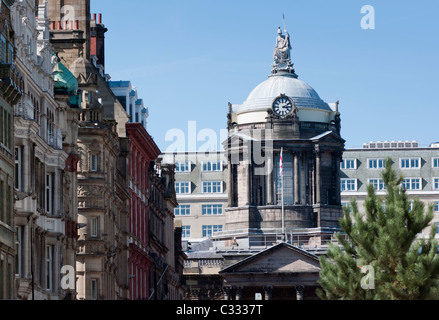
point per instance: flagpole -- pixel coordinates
(283, 206)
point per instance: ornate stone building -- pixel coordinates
(102, 250)
(283, 158)
(45, 151)
(165, 251)
(11, 90)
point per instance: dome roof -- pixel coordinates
(64, 79)
(303, 95)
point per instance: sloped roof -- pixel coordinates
(281, 258)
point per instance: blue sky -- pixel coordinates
(189, 58)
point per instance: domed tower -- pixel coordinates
(284, 151)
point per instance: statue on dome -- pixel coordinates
(282, 51)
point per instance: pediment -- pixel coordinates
(328, 136)
(282, 258)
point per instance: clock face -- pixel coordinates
(282, 106)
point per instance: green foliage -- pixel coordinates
(385, 238)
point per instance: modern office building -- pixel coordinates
(418, 165)
(133, 105)
(201, 189)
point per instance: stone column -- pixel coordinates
(296, 179)
(299, 292)
(338, 157)
(244, 184)
(269, 181)
(227, 293)
(268, 293)
(238, 292)
(318, 178)
(304, 179)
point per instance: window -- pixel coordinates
(412, 184)
(49, 193)
(94, 290)
(435, 162)
(410, 163)
(2, 201)
(19, 248)
(186, 232)
(6, 129)
(94, 162)
(287, 181)
(182, 210)
(378, 184)
(436, 183)
(212, 187)
(19, 169)
(2, 49)
(376, 163)
(209, 230)
(347, 205)
(49, 267)
(182, 187)
(436, 206)
(212, 166)
(348, 164)
(95, 227)
(182, 166)
(348, 185)
(212, 209)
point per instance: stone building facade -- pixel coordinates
(283, 156)
(103, 198)
(11, 90)
(45, 145)
(143, 151)
(165, 251)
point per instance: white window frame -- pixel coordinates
(186, 165)
(378, 183)
(410, 163)
(182, 184)
(208, 230)
(433, 160)
(211, 209)
(378, 161)
(411, 181)
(212, 166)
(345, 161)
(345, 181)
(436, 206)
(186, 231)
(182, 210)
(435, 182)
(210, 186)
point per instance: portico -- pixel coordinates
(280, 272)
